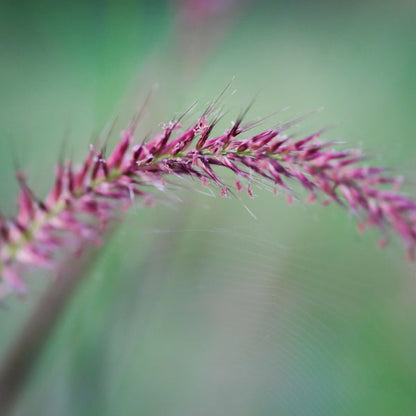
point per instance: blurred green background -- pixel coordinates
(194, 307)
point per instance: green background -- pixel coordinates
(194, 307)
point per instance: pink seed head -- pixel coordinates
(85, 200)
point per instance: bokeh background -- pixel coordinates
(194, 307)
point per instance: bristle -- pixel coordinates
(25, 201)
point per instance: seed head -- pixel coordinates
(85, 200)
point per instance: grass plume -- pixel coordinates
(85, 200)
